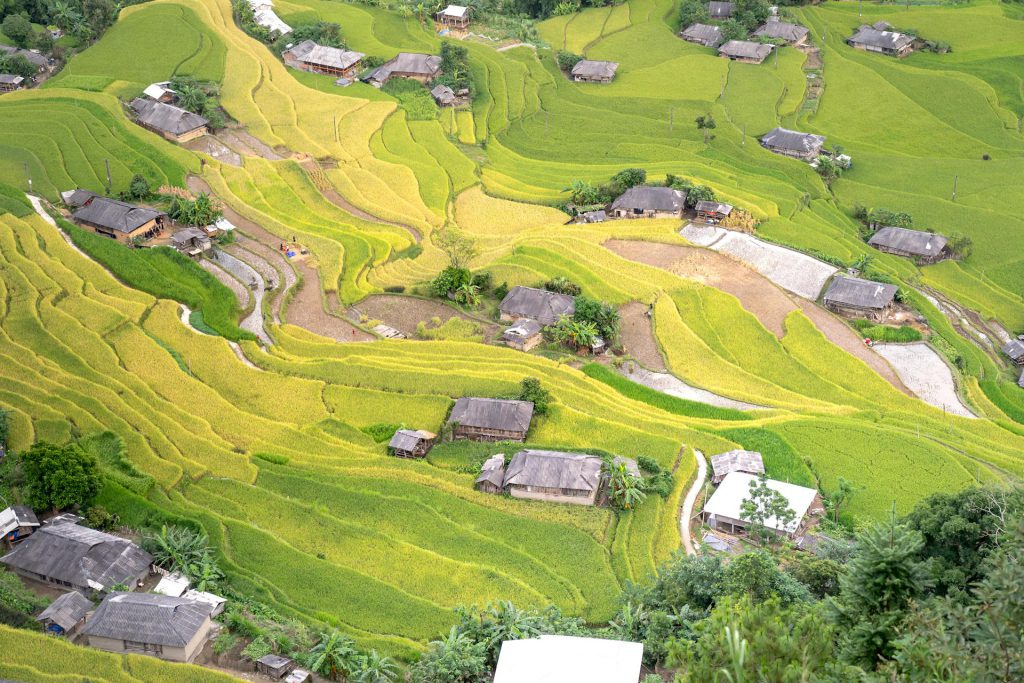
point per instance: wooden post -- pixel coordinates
(955, 179)
(110, 184)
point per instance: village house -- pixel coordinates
(443, 95)
(86, 560)
(10, 82)
(119, 220)
(879, 39)
(65, 615)
(856, 298)
(274, 666)
(703, 34)
(17, 523)
(173, 629)
(524, 335)
(593, 71)
(791, 143)
(536, 304)
(454, 16)
(192, 242)
(492, 475)
(560, 659)
(309, 56)
(923, 247)
(160, 92)
(745, 51)
(792, 34)
(1014, 349)
(490, 419)
(76, 199)
(720, 11)
(722, 464)
(649, 202)
(265, 16)
(712, 212)
(37, 59)
(557, 477)
(173, 123)
(723, 511)
(411, 443)
(415, 65)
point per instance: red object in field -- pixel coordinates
(867, 340)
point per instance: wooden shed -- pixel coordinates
(411, 443)
(65, 614)
(492, 475)
(454, 16)
(857, 298)
(491, 419)
(274, 666)
(17, 523)
(10, 82)
(1014, 349)
(712, 212)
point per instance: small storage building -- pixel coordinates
(454, 16)
(712, 212)
(170, 122)
(524, 335)
(568, 659)
(856, 298)
(265, 16)
(536, 304)
(11, 82)
(160, 92)
(174, 584)
(491, 419)
(745, 51)
(1014, 349)
(923, 247)
(703, 34)
(443, 95)
(649, 202)
(721, 10)
(594, 71)
(415, 65)
(274, 666)
(880, 40)
(75, 199)
(492, 475)
(17, 523)
(723, 511)
(65, 615)
(192, 242)
(599, 216)
(791, 143)
(411, 443)
(173, 629)
(792, 34)
(723, 464)
(119, 220)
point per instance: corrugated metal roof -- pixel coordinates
(721, 10)
(493, 471)
(408, 439)
(67, 610)
(166, 117)
(783, 138)
(148, 618)
(713, 207)
(115, 215)
(706, 34)
(1014, 349)
(566, 659)
(651, 199)
(457, 11)
(913, 241)
(750, 462)
(16, 516)
(523, 329)
(887, 40)
(728, 498)
(443, 94)
(76, 198)
(493, 413)
(553, 469)
(858, 293)
(539, 304)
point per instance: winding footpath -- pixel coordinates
(686, 511)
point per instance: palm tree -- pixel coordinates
(582, 334)
(625, 489)
(335, 655)
(191, 97)
(373, 668)
(581, 192)
(64, 15)
(205, 574)
(505, 621)
(468, 295)
(176, 548)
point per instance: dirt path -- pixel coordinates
(404, 313)
(686, 511)
(769, 304)
(926, 374)
(245, 144)
(257, 287)
(638, 337)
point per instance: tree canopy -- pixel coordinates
(59, 477)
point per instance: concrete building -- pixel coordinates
(723, 510)
(568, 659)
(173, 629)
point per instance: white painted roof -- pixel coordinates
(455, 11)
(9, 521)
(735, 488)
(173, 585)
(224, 224)
(569, 659)
(157, 90)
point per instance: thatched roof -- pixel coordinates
(651, 199)
(166, 117)
(80, 556)
(408, 439)
(538, 304)
(912, 241)
(882, 39)
(750, 462)
(589, 68)
(745, 49)
(310, 52)
(714, 207)
(493, 413)
(782, 30)
(721, 10)
(794, 141)
(148, 618)
(706, 34)
(493, 471)
(67, 610)
(115, 215)
(858, 293)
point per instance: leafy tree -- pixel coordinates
(458, 246)
(562, 285)
(844, 488)
(567, 60)
(455, 64)
(732, 29)
(877, 218)
(60, 477)
(198, 212)
(820, 575)
(629, 177)
(751, 13)
(960, 245)
(530, 389)
(321, 32)
(176, 547)
(64, 15)
(334, 656)
(455, 658)
(17, 65)
(5, 427)
(449, 280)
(882, 580)
(191, 95)
(375, 668)
(757, 576)
(138, 188)
(693, 12)
(17, 28)
(763, 504)
(706, 123)
(625, 489)
(583, 193)
(579, 334)
(468, 294)
(602, 315)
(829, 170)
(699, 193)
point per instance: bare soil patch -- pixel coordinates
(927, 374)
(210, 145)
(638, 337)
(404, 313)
(306, 310)
(246, 144)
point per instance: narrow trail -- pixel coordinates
(686, 511)
(257, 285)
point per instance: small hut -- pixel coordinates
(857, 298)
(492, 475)
(524, 335)
(192, 242)
(65, 614)
(443, 95)
(10, 82)
(275, 666)
(712, 212)
(1014, 349)
(17, 522)
(409, 443)
(454, 16)
(594, 71)
(720, 11)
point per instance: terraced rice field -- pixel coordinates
(268, 454)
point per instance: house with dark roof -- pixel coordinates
(492, 474)
(37, 59)
(856, 298)
(557, 477)
(722, 464)
(599, 216)
(454, 16)
(323, 59)
(173, 629)
(879, 39)
(415, 65)
(75, 199)
(1014, 349)
(536, 304)
(745, 51)
(712, 212)
(76, 557)
(411, 443)
(11, 82)
(173, 123)
(923, 247)
(274, 666)
(490, 419)
(594, 71)
(649, 202)
(443, 95)
(118, 220)
(17, 523)
(65, 614)
(192, 242)
(703, 34)
(721, 10)
(792, 34)
(791, 143)
(524, 335)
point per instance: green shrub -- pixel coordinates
(272, 457)
(381, 432)
(903, 334)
